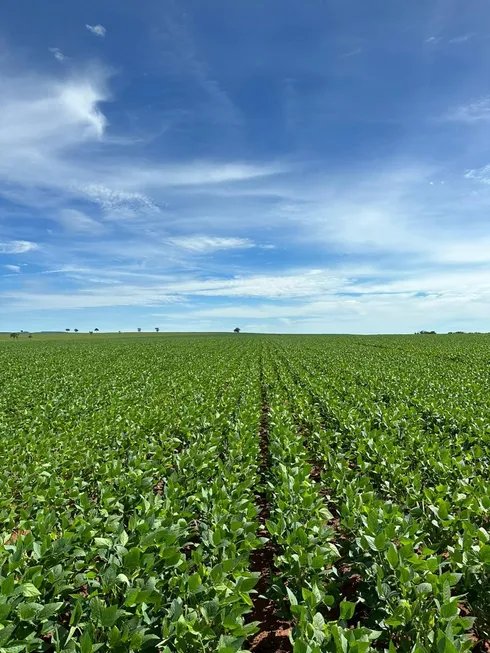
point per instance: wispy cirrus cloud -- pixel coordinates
(76, 221)
(98, 30)
(208, 244)
(55, 147)
(462, 38)
(455, 40)
(12, 268)
(58, 55)
(351, 53)
(158, 184)
(17, 247)
(472, 112)
(110, 199)
(479, 174)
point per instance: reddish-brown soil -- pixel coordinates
(273, 634)
(16, 533)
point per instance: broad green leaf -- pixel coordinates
(347, 609)
(30, 590)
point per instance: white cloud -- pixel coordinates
(111, 199)
(351, 53)
(461, 39)
(69, 301)
(98, 30)
(207, 244)
(472, 112)
(74, 220)
(480, 174)
(54, 148)
(42, 120)
(12, 268)
(306, 300)
(17, 247)
(58, 55)
(194, 173)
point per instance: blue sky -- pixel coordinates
(287, 166)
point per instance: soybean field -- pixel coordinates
(226, 493)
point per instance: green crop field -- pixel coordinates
(220, 493)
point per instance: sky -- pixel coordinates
(278, 166)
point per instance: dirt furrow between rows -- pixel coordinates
(273, 635)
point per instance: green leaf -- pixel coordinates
(132, 558)
(114, 637)
(442, 510)
(300, 646)
(123, 538)
(5, 634)
(318, 620)
(27, 611)
(444, 644)
(485, 554)
(49, 610)
(246, 584)
(424, 588)
(194, 583)
(380, 541)
(102, 542)
(108, 616)
(8, 585)
(347, 609)
(450, 609)
(30, 590)
(292, 599)
(76, 614)
(4, 610)
(392, 555)
(229, 644)
(86, 642)
(483, 535)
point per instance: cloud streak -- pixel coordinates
(58, 55)
(208, 244)
(472, 112)
(98, 30)
(17, 247)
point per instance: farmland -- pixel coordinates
(220, 493)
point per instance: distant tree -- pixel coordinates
(22, 330)
(14, 336)
(96, 329)
(119, 331)
(139, 329)
(76, 330)
(67, 330)
(91, 332)
(30, 335)
(237, 330)
(157, 329)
